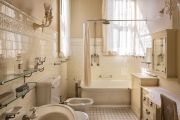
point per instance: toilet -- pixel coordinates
(47, 92)
(79, 104)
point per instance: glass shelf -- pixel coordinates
(7, 78)
(31, 87)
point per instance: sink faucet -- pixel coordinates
(32, 116)
(9, 116)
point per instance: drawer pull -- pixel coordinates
(147, 112)
(151, 104)
(144, 99)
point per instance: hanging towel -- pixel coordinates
(168, 108)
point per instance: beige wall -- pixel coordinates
(176, 25)
(35, 44)
(35, 8)
(150, 10)
(82, 10)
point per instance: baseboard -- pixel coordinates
(111, 106)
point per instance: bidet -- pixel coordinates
(79, 104)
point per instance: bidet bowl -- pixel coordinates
(79, 104)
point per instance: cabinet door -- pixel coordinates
(135, 96)
(159, 55)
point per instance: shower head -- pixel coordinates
(106, 22)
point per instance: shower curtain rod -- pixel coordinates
(102, 20)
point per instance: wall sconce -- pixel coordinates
(169, 8)
(47, 18)
(178, 4)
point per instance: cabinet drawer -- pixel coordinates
(147, 113)
(145, 100)
(152, 106)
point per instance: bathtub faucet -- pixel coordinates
(105, 76)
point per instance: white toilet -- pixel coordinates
(48, 93)
(79, 104)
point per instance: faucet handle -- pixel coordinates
(33, 115)
(33, 109)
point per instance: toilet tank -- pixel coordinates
(48, 91)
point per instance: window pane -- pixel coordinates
(127, 37)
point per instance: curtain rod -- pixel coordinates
(102, 20)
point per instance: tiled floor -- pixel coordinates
(111, 113)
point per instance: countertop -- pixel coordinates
(144, 76)
(154, 95)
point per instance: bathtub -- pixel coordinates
(108, 92)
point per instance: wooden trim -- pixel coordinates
(59, 28)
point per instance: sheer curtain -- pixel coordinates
(65, 27)
(124, 37)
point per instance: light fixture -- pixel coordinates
(169, 7)
(47, 18)
(178, 4)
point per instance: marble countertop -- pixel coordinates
(144, 76)
(155, 92)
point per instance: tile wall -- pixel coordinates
(119, 67)
(17, 36)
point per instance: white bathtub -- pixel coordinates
(108, 92)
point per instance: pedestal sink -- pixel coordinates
(55, 112)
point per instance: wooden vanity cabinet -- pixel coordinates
(150, 111)
(151, 102)
(138, 80)
(164, 53)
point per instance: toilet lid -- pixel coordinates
(81, 115)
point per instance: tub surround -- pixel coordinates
(108, 92)
(120, 67)
(108, 84)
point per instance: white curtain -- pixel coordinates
(124, 37)
(65, 27)
(87, 59)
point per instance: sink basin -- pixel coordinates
(55, 112)
(54, 116)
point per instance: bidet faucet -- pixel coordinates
(9, 116)
(32, 116)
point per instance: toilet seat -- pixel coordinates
(81, 115)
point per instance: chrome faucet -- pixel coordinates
(32, 116)
(9, 116)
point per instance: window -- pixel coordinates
(125, 37)
(65, 28)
